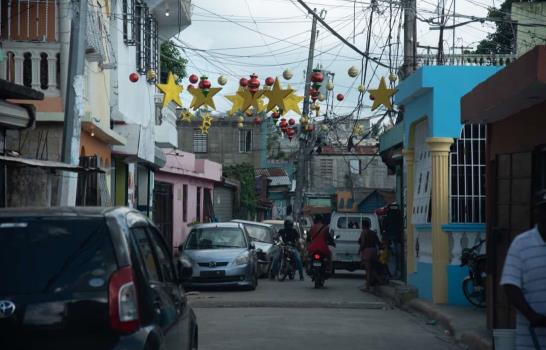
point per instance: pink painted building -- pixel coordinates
(183, 193)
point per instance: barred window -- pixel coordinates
(128, 15)
(467, 164)
(140, 25)
(200, 142)
(245, 141)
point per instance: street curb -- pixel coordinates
(471, 340)
(204, 304)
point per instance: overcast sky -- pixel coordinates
(239, 37)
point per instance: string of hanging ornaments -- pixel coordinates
(268, 102)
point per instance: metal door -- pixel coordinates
(163, 210)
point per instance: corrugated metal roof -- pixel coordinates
(280, 181)
(271, 172)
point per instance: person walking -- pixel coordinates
(524, 279)
(369, 244)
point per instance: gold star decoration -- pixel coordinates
(171, 91)
(291, 102)
(277, 96)
(185, 116)
(203, 99)
(250, 99)
(382, 95)
(206, 123)
(236, 100)
(358, 130)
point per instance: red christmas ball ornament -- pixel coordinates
(372, 97)
(275, 115)
(253, 83)
(257, 120)
(291, 121)
(310, 127)
(133, 77)
(290, 132)
(314, 92)
(190, 86)
(243, 82)
(340, 97)
(317, 76)
(204, 83)
(283, 124)
(269, 81)
(193, 79)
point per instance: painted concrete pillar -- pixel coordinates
(439, 148)
(410, 249)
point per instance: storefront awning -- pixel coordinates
(48, 164)
(17, 115)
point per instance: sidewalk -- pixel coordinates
(466, 324)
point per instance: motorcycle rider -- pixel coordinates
(320, 240)
(289, 236)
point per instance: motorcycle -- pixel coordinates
(474, 284)
(287, 266)
(320, 268)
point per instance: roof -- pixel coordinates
(388, 196)
(312, 210)
(9, 90)
(48, 164)
(357, 150)
(277, 176)
(246, 222)
(280, 181)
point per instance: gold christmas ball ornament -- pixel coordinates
(240, 125)
(353, 72)
(324, 127)
(304, 120)
(393, 77)
(151, 75)
(241, 119)
(222, 80)
(329, 86)
(361, 88)
(287, 74)
(321, 98)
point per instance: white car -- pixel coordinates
(262, 235)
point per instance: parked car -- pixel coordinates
(262, 236)
(90, 278)
(221, 254)
(348, 226)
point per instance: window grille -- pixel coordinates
(421, 213)
(128, 15)
(326, 171)
(200, 142)
(467, 180)
(245, 141)
(140, 26)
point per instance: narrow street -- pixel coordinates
(293, 315)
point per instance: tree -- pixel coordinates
(245, 173)
(502, 41)
(172, 61)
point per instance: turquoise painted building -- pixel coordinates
(443, 182)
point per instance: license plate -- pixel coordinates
(215, 273)
(344, 257)
(317, 263)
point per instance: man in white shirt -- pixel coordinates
(524, 279)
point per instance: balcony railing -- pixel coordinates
(35, 65)
(466, 60)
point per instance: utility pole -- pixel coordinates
(440, 57)
(301, 170)
(410, 38)
(73, 110)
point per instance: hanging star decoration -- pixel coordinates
(358, 130)
(171, 91)
(277, 96)
(382, 95)
(250, 99)
(185, 116)
(292, 101)
(203, 98)
(236, 100)
(205, 123)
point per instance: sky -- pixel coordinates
(236, 38)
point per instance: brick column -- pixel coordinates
(439, 148)
(410, 246)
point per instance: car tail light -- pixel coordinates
(123, 301)
(317, 256)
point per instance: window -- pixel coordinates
(200, 142)
(147, 253)
(146, 39)
(326, 171)
(198, 203)
(467, 164)
(163, 256)
(185, 203)
(354, 166)
(245, 141)
(128, 15)
(422, 176)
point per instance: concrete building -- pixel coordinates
(528, 34)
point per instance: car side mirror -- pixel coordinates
(185, 270)
(337, 236)
(251, 246)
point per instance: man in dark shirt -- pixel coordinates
(289, 236)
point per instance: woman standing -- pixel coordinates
(369, 244)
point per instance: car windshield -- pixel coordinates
(260, 234)
(52, 254)
(216, 238)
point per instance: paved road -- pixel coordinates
(339, 316)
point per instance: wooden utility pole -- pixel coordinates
(301, 171)
(440, 57)
(410, 38)
(73, 110)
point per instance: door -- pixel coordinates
(511, 215)
(163, 210)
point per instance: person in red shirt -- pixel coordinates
(320, 239)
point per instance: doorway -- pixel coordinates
(163, 210)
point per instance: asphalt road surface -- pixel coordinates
(292, 315)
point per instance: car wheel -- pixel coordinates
(254, 283)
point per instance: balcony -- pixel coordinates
(173, 16)
(465, 60)
(35, 65)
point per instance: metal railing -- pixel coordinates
(465, 60)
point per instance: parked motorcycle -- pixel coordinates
(474, 283)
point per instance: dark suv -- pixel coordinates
(90, 278)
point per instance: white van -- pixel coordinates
(348, 227)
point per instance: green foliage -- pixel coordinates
(172, 61)
(502, 41)
(245, 173)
